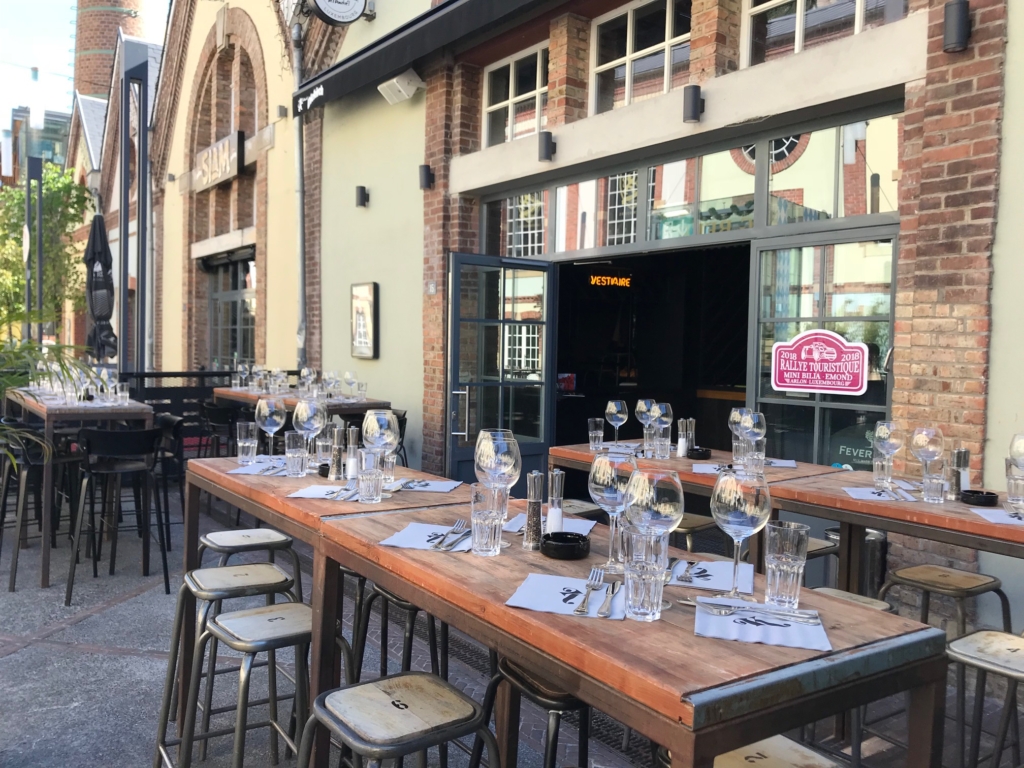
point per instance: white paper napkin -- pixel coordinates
(433, 486)
(570, 524)
(261, 464)
(1005, 516)
(423, 536)
(316, 492)
(870, 494)
(708, 469)
(628, 448)
(715, 575)
(780, 463)
(907, 485)
(749, 627)
(561, 594)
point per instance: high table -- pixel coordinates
(52, 411)
(335, 406)
(696, 696)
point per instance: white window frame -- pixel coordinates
(749, 11)
(525, 234)
(511, 100)
(631, 55)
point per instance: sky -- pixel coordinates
(41, 33)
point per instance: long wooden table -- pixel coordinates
(335, 406)
(699, 697)
(52, 412)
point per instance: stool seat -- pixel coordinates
(867, 602)
(820, 547)
(776, 752)
(245, 540)
(691, 523)
(399, 709)
(230, 581)
(1001, 653)
(952, 582)
(265, 628)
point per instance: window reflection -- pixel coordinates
(726, 192)
(597, 212)
(672, 190)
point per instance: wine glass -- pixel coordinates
(350, 380)
(643, 411)
(654, 505)
(617, 414)
(888, 439)
(736, 416)
(310, 418)
(1017, 450)
(927, 444)
(753, 427)
(609, 475)
(380, 431)
(662, 413)
(307, 375)
(498, 464)
(270, 416)
(741, 506)
(243, 373)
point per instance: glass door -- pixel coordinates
(501, 358)
(845, 287)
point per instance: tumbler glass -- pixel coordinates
(123, 394)
(388, 467)
(933, 488)
(662, 442)
(370, 477)
(1014, 483)
(785, 558)
(324, 444)
(487, 520)
(246, 441)
(646, 559)
(879, 470)
(295, 454)
(595, 430)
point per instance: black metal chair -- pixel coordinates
(171, 455)
(403, 422)
(217, 430)
(106, 456)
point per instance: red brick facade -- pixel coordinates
(96, 26)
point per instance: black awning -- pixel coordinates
(392, 54)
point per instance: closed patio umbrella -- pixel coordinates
(99, 291)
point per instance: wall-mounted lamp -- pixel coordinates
(956, 31)
(362, 197)
(426, 177)
(547, 146)
(282, 112)
(170, 177)
(693, 104)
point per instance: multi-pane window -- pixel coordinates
(622, 200)
(775, 28)
(233, 314)
(522, 351)
(641, 53)
(525, 226)
(516, 96)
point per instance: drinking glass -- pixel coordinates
(609, 475)
(388, 467)
(486, 521)
(370, 476)
(270, 416)
(879, 465)
(309, 418)
(361, 391)
(123, 393)
(236, 381)
(1014, 483)
(888, 439)
(736, 416)
(498, 464)
(295, 454)
(617, 414)
(933, 482)
(653, 501)
(926, 444)
(1017, 450)
(380, 431)
(753, 458)
(350, 380)
(307, 375)
(662, 413)
(741, 505)
(785, 558)
(645, 561)
(662, 442)
(595, 431)
(246, 440)
(643, 411)
(753, 427)
(324, 446)
(243, 373)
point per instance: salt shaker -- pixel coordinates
(556, 489)
(337, 471)
(534, 501)
(352, 458)
(683, 445)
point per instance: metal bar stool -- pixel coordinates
(959, 585)
(230, 543)
(394, 716)
(556, 703)
(438, 655)
(210, 586)
(251, 632)
(778, 752)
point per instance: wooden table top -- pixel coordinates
(45, 407)
(662, 665)
(581, 454)
(272, 492)
(335, 405)
(827, 491)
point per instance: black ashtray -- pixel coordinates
(979, 498)
(324, 470)
(698, 453)
(564, 545)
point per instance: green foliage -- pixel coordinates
(65, 203)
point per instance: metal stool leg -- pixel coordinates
(551, 740)
(76, 543)
(306, 745)
(362, 629)
(384, 638)
(584, 750)
(19, 524)
(979, 709)
(855, 736)
(296, 574)
(961, 689)
(487, 706)
(211, 670)
(189, 726)
(410, 626)
(242, 713)
(1009, 710)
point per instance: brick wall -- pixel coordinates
(714, 38)
(568, 69)
(96, 25)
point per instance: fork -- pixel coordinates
(797, 617)
(460, 525)
(686, 577)
(594, 582)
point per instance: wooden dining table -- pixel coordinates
(697, 696)
(53, 411)
(336, 406)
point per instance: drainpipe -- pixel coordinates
(300, 193)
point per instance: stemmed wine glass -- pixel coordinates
(617, 414)
(662, 413)
(270, 416)
(927, 444)
(243, 374)
(654, 505)
(310, 418)
(752, 428)
(307, 376)
(380, 431)
(498, 464)
(888, 439)
(741, 506)
(350, 380)
(736, 416)
(1017, 450)
(609, 475)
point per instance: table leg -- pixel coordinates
(927, 716)
(44, 570)
(851, 544)
(506, 723)
(325, 672)
(190, 547)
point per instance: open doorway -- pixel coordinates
(670, 326)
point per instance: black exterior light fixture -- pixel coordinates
(426, 177)
(693, 104)
(362, 197)
(546, 146)
(956, 31)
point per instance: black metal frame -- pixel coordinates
(35, 173)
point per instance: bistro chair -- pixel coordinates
(692, 524)
(438, 651)
(171, 456)
(555, 701)
(777, 752)
(108, 455)
(217, 429)
(403, 422)
(367, 719)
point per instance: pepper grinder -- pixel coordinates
(960, 476)
(556, 489)
(352, 458)
(534, 502)
(337, 471)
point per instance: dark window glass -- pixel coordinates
(649, 25)
(611, 39)
(681, 18)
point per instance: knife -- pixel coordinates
(455, 542)
(606, 607)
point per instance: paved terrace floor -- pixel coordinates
(81, 685)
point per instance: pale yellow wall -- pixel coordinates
(390, 14)
(282, 269)
(1005, 414)
(883, 148)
